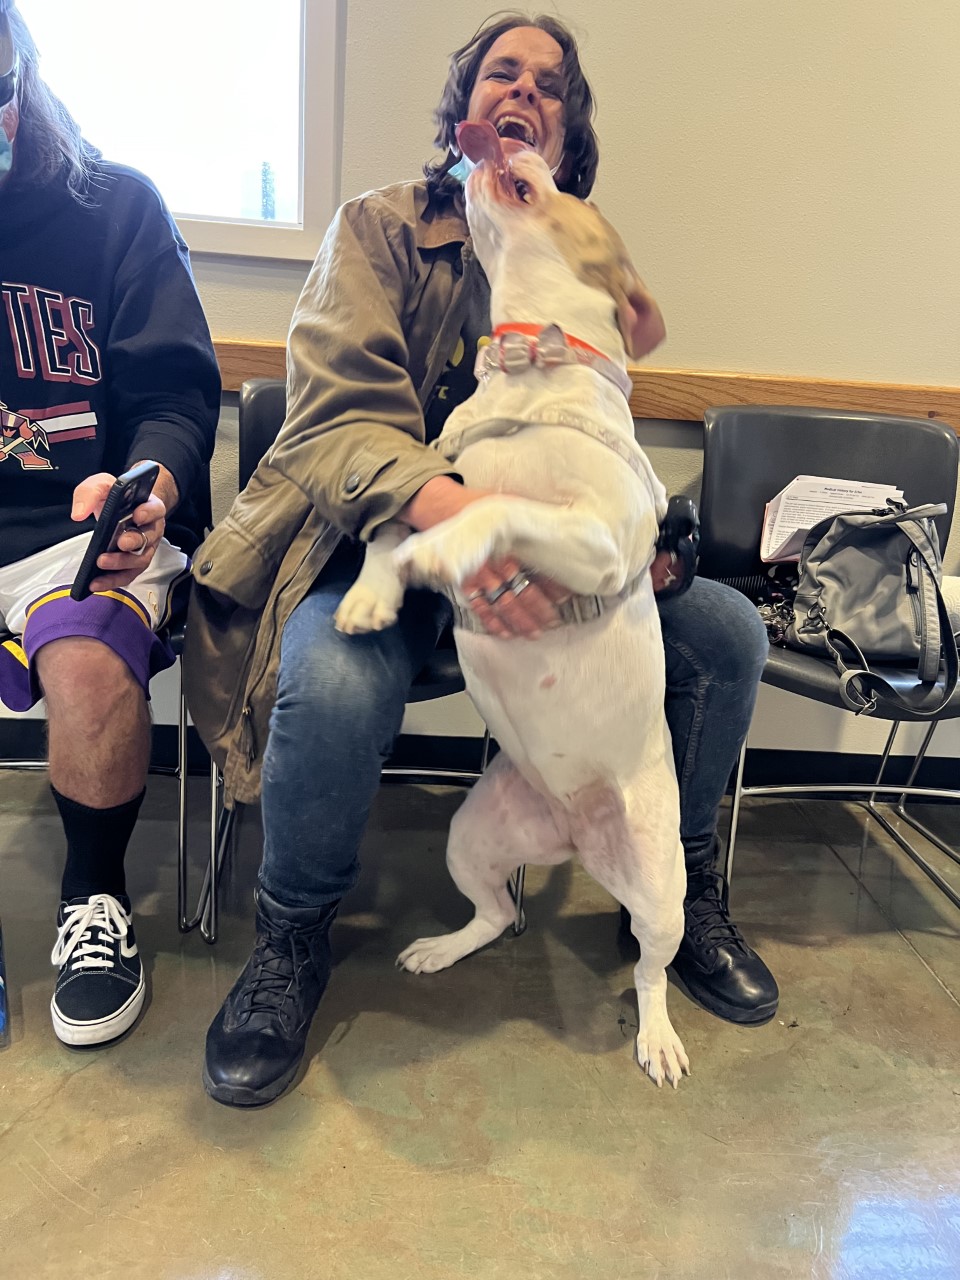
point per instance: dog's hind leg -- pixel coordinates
(656, 918)
(631, 846)
(502, 823)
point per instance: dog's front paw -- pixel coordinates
(362, 610)
(660, 1053)
(451, 551)
(424, 559)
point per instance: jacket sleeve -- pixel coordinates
(353, 436)
(164, 378)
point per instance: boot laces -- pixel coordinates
(707, 919)
(274, 982)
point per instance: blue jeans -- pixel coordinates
(340, 701)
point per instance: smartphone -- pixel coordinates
(129, 491)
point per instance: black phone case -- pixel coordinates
(129, 491)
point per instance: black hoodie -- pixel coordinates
(105, 355)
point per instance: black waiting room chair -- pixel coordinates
(262, 411)
(750, 454)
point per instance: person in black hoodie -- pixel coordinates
(105, 361)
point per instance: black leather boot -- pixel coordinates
(713, 961)
(256, 1041)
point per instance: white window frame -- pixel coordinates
(320, 131)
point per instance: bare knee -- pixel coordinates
(83, 677)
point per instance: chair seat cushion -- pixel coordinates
(440, 677)
(817, 678)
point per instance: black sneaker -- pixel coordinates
(100, 988)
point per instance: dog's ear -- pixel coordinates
(638, 316)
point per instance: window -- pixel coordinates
(230, 106)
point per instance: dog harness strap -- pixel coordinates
(451, 444)
(514, 348)
(572, 612)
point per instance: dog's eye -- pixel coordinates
(523, 191)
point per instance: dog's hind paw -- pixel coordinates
(362, 610)
(430, 955)
(661, 1055)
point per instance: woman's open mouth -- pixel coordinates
(516, 128)
(479, 141)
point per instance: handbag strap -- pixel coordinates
(861, 688)
(931, 624)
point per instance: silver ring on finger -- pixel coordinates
(493, 596)
(144, 543)
(519, 582)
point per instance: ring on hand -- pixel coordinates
(144, 543)
(519, 582)
(493, 596)
(479, 594)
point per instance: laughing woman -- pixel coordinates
(380, 350)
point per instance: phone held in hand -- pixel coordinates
(129, 491)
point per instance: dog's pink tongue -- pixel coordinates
(479, 140)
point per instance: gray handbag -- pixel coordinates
(869, 589)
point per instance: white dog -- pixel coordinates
(586, 765)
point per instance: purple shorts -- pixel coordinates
(117, 619)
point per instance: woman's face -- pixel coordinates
(9, 119)
(9, 112)
(519, 89)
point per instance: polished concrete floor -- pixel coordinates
(489, 1121)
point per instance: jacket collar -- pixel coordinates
(442, 219)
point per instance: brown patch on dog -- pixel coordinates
(599, 257)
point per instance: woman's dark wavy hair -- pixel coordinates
(580, 142)
(49, 142)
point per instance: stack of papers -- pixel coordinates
(809, 499)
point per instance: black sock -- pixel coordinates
(96, 843)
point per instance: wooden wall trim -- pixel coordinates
(681, 394)
(242, 360)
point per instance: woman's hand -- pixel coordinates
(507, 600)
(137, 545)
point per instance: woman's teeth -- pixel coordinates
(514, 127)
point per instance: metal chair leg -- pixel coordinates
(515, 889)
(220, 847)
(915, 824)
(222, 823)
(895, 793)
(182, 776)
(734, 818)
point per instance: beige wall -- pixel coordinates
(785, 175)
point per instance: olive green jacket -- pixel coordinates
(380, 314)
